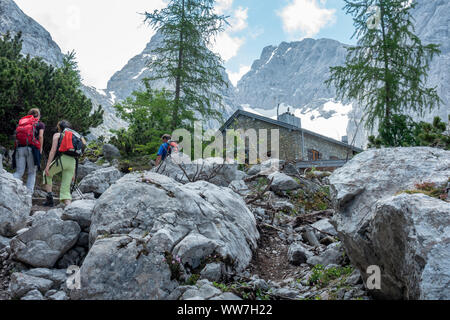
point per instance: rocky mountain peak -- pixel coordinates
(37, 42)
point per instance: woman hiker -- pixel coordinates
(62, 163)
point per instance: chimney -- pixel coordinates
(345, 139)
(289, 118)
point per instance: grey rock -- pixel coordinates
(110, 152)
(402, 234)
(33, 295)
(282, 182)
(86, 168)
(212, 272)
(240, 187)
(4, 242)
(195, 219)
(79, 211)
(214, 170)
(22, 283)
(286, 292)
(43, 216)
(50, 292)
(227, 296)
(196, 298)
(254, 170)
(354, 278)
(311, 238)
(290, 169)
(260, 284)
(45, 242)
(192, 221)
(326, 226)
(15, 205)
(333, 255)
(111, 270)
(100, 180)
(191, 294)
(208, 291)
(58, 296)
(267, 167)
(57, 276)
(298, 254)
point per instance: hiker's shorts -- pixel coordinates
(68, 171)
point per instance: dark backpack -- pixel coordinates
(71, 143)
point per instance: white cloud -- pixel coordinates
(223, 5)
(104, 33)
(228, 46)
(107, 33)
(305, 18)
(239, 20)
(236, 76)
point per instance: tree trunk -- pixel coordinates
(176, 108)
(386, 66)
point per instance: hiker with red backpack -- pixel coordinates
(167, 147)
(29, 142)
(67, 146)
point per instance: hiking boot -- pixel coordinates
(49, 200)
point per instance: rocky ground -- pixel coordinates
(208, 231)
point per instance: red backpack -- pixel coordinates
(173, 147)
(26, 132)
(71, 143)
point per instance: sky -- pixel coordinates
(106, 34)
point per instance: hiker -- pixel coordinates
(67, 145)
(167, 147)
(29, 141)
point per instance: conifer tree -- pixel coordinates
(387, 70)
(27, 83)
(196, 73)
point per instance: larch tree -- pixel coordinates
(386, 71)
(196, 73)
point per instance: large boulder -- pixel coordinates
(45, 242)
(141, 218)
(15, 204)
(213, 170)
(100, 180)
(406, 235)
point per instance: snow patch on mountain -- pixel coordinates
(330, 119)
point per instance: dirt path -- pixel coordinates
(270, 261)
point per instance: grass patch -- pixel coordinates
(321, 277)
(428, 188)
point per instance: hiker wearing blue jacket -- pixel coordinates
(163, 149)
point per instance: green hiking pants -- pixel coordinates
(68, 171)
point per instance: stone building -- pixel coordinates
(295, 143)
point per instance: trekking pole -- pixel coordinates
(79, 192)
